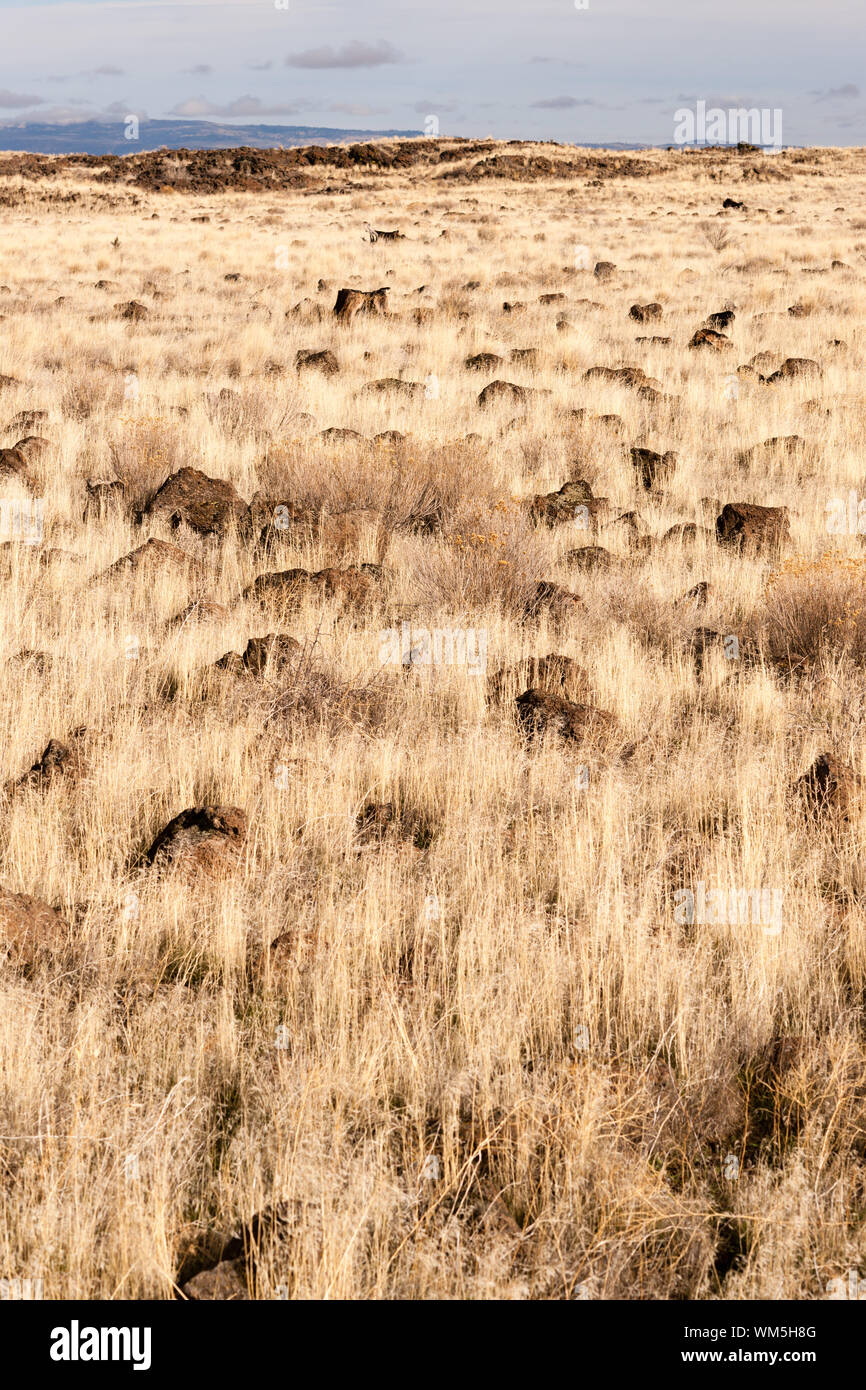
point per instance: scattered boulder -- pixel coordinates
(483, 362)
(207, 505)
(208, 838)
(335, 435)
(695, 597)
(721, 321)
(378, 820)
(104, 497)
(588, 558)
(633, 377)
(393, 385)
(352, 302)
(262, 656)
(132, 310)
(32, 447)
(224, 1283)
(322, 360)
(555, 298)
(200, 610)
(58, 761)
(28, 419)
(547, 597)
(375, 235)
(745, 526)
(29, 927)
(732, 203)
(653, 468)
(354, 584)
(553, 672)
(794, 367)
(791, 444)
(604, 271)
(151, 559)
(541, 712)
(686, 532)
(507, 391)
(645, 313)
(13, 464)
(555, 507)
(709, 338)
(830, 786)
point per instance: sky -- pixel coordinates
(612, 70)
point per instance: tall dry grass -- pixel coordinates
(489, 1061)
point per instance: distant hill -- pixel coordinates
(107, 137)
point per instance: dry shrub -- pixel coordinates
(145, 452)
(86, 394)
(491, 559)
(255, 413)
(814, 612)
(412, 493)
(312, 690)
(716, 237)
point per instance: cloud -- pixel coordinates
(200, 70)
(13, 99)
(53, 115)
(423, 108)
(260, 67)
(565, 103)
(726, 102)
(106, 70)
(352, 55)
(843, 93)
(357, 108)
(241, 106)
(564, 62)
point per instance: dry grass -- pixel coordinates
(491, 1061)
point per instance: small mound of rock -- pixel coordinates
(645, 313)
(206, 505)
(746, 526)
(541, 712)
(830, 787)
(29, 927)
(203, 838)
(262, 656)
